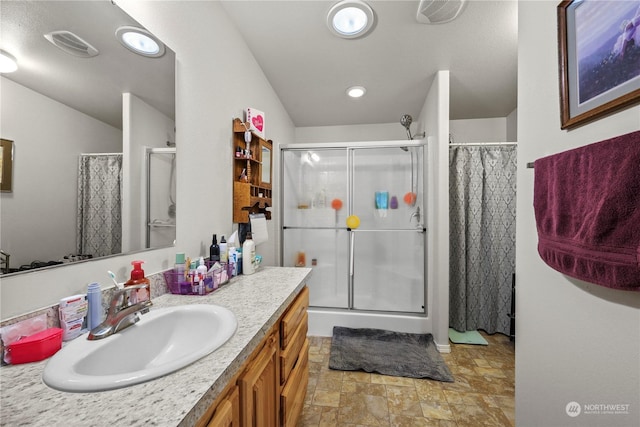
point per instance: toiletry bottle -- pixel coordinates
(233, 258)
(202, 273)
(214, 250)
(179, 266)
(224, 254)
(137, 278)
(94, 296)
(193, 277)
(248, 255)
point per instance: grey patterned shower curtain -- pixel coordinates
(99, 217)
(482, 216)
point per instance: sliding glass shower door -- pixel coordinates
(379, 265)
(389, 244)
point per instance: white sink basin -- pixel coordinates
(163, 341)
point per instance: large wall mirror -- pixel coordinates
(89, 120)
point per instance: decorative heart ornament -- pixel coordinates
(258, 122)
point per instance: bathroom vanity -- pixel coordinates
(259, 377)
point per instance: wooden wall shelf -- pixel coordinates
(252, 174)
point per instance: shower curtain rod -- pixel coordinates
(451, 144)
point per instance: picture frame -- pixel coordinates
(6, 165)
(599, 58)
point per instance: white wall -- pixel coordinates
(512, 126)
(217, 78)
(575, 342)
(434, 119)
(39, 216)
(479, 130)
(352, 133)
(143, 126)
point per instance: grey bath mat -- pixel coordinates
(388, 353)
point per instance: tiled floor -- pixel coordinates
(482, 394)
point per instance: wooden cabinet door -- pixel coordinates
(259, 388)
(227, 414)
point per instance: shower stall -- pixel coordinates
(160, 209)
(354, 213)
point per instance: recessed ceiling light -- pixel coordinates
(350, 19)
(140, 41)
(356, 91)
(8, 62)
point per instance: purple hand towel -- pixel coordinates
(587, 208)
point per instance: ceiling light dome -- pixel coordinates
(350, 19)
(140, 41)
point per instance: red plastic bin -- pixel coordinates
(35, 347)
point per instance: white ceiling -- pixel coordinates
(91, 85)
(310, 68)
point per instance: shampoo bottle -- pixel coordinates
(248, 255)
(137, 278)
(224, 254)
(214, 250)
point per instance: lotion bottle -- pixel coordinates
(137, 278)
(248, 255)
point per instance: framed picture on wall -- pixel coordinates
(599, 58)
(6, 165)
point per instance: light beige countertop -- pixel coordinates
(179, 398)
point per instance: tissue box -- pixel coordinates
(256, 121)
(35, 347)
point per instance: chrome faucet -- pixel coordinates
(123, 312)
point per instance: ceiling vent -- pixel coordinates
(71, 44)
(439, 11)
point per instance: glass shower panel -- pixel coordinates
(161, 207)
(326, 252)
(312, 180)
(389, 270)
(384, 181)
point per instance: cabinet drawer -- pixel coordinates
(289, 355)
(295, 390)
(294, 316)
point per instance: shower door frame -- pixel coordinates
(349, 147)
(148, 151)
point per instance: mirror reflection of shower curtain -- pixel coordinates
(482, 211)
(99, 217)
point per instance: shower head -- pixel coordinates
(406, 121)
